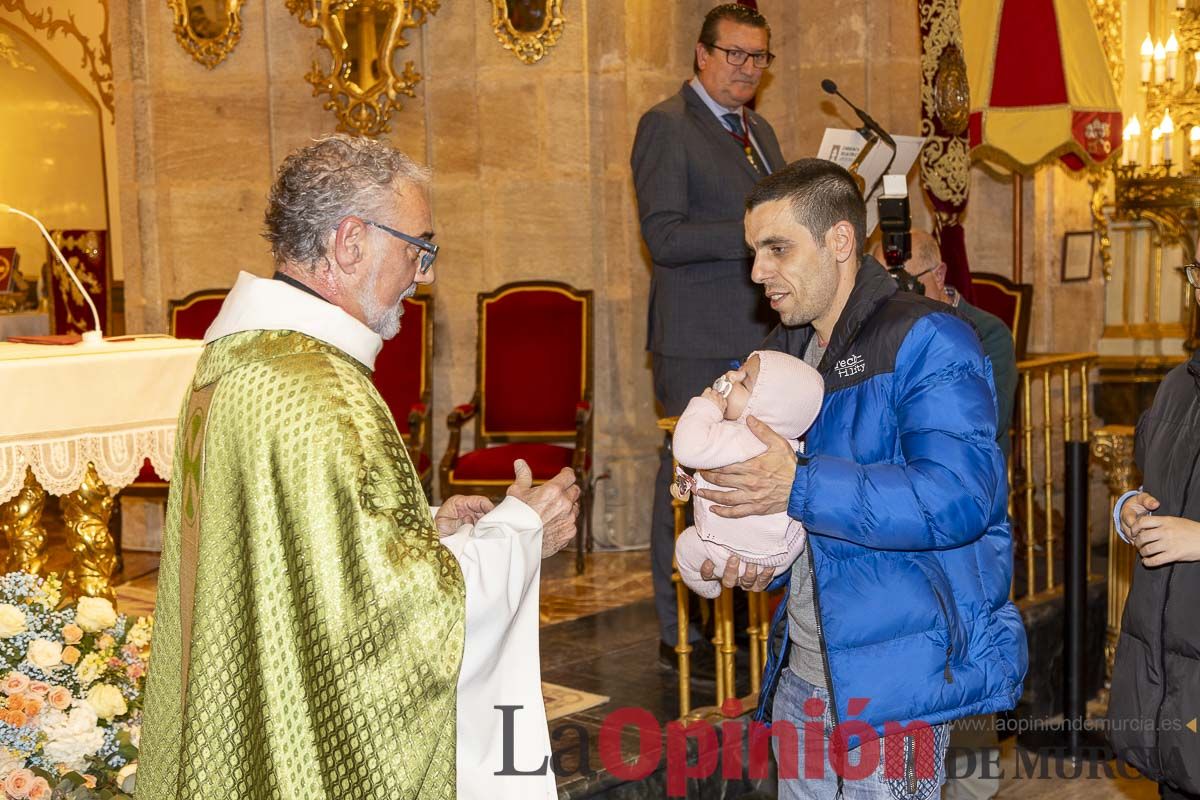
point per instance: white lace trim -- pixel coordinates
(60, 463)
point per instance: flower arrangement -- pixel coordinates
(71, 683)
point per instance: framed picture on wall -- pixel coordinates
(1079, 249)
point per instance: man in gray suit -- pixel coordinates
(696, 157)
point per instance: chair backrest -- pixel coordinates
(1009, 301)
(404, 368)
(8, 267)
(534, 360)
(87, 253)
(190, 317)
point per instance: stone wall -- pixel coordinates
(531, 162)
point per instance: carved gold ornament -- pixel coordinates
(951, 97)
(97, 55)
(361, 37)
(945, 158)
(529, 28)
(207, 29)
(86, 512)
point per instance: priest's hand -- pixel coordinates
(761, 485)
(460, 510)
(556, 501)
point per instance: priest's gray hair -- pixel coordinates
(320, 185)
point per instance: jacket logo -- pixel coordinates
(850, 366)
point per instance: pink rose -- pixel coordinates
(60, 698)
(40, 790)
(15, 683)
(18, 783)
(39, 688)
(135, 671)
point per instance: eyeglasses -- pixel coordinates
(1192, 273)
(738, 57)
(429, 250)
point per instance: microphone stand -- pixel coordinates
(89, 338)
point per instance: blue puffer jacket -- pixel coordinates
(903, 492)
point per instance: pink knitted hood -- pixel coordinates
(787, 395)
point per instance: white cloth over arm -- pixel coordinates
(501, 562)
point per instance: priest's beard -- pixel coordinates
(383, 320)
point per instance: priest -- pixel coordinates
(313, 615)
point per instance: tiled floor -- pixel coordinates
(599, 635)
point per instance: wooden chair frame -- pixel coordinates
(176, 306)
(418, 440)
(1023, 292)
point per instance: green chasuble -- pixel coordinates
(309, 626)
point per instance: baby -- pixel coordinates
(779, 390)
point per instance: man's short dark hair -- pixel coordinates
(822, 194)
(742, 15)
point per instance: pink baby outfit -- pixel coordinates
(787, 397)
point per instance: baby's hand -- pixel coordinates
(714, 396)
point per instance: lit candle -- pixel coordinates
(1196, 72)
(1132, 138)
(1194, 136)
(1160, 63)
(1180, 4)
(1155, 147)
(1167, 126)
(1148, 57)
(1172, 50)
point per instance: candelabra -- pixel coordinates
(1158, 179)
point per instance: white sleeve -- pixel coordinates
(501, 562)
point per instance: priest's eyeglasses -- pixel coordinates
(428, 250)
(1192, 273)
(737, 57)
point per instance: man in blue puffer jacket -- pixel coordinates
(898, 611)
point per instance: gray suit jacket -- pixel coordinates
(692, 178)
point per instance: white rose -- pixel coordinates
(127, 778)
(9, 761)
(94, 614)
(73, 736)
(44, 654)
(107, 701)
(12, 621)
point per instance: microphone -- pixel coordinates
(831, 88)
(90, 338)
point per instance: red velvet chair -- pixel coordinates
(1009, 301)
(190, 317)
(404, 378)
(87, 253)
(533, 395)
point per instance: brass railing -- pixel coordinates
(1112, 447)
(1034, 477)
